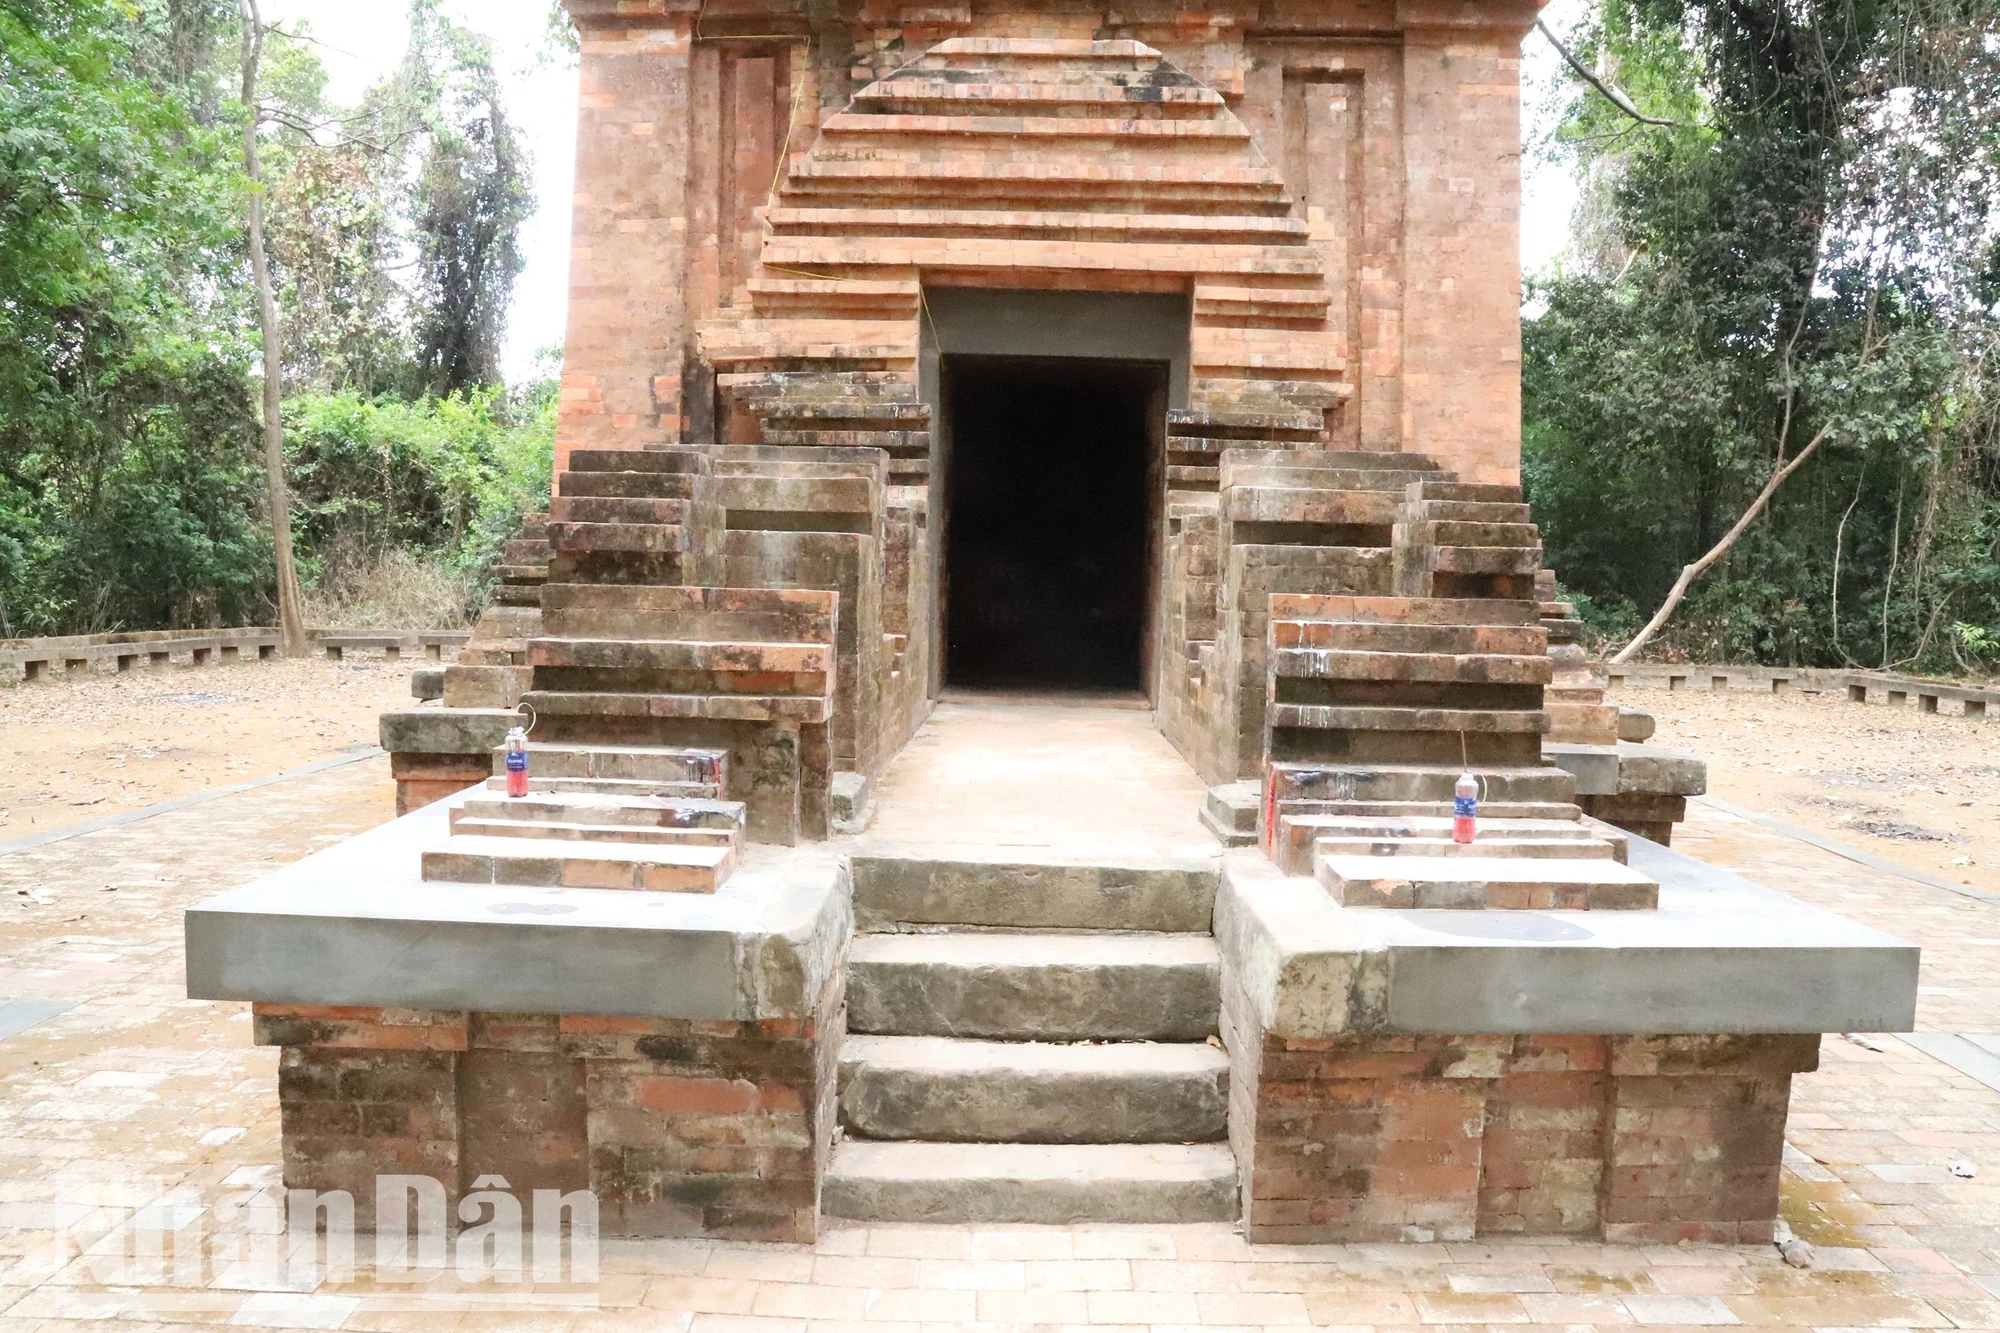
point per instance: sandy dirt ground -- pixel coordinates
(1922, 790)
(79, 748)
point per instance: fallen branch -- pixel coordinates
(1694, 571)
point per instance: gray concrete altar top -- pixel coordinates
(1721, 954)
(357, 925)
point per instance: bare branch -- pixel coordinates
(1612, 95)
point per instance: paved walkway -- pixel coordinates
(135, 1091)
(1050, 774)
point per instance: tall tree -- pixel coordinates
(291, 602)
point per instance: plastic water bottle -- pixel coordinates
(517, 762)
(1464, 808)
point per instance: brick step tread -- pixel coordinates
(1059, 1184)
(627, 485)
(1476, 511)
(1402, 845)
(983, 884)
(522, 573)
(848, 123)
(722, 707)
(1048, 986)
(945, 1089)
(1469, 532)
(1480, 721)
(1365, 609)
(664, 538)
(1432, 668)
(552, 830)
(1221, 258)
(560, 785)
(1502, 780)
(908, 167)
(670, 868)
(674, 762)
(1453, 881)
(681, 655)
(605, 809)
(1298, 833)
(1438, 809)
(636, 460)
(619, 509)
(1311, 504)
(911, 86)
(1488, 492)
(837, 221)
(1382, 637)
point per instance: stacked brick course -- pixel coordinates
(679, 1127)
(1385, 1138)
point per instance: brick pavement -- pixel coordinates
(137, 1091)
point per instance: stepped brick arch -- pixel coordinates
(1029, 163)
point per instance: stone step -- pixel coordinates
(1380, 637)
(1559, 849)
(1035, 986)
(589, 808)
(658, 763)
(1427, 809)
(1053, 1184)
(577, 786)
(1473, 721)
(1299, 834)
(1475, 492)
(1477, 511)
(558, 831)
(714, 615)
(1405, 610)
(643, 538)
(1349, 664)
(947, 1090)
(630, 485)
(847, 124)
(723, 659)
(721, 707)
(618, 509)
(1483, 559)
(1230, 812)
(1453, 532)
(636, 460)
(1476, 883)
(1418, 782)
(579, 865)
(1014, 887)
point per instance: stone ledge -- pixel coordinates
(356, 925)
(1720, 955)
(1627, 769)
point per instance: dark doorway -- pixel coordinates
(1049, 498)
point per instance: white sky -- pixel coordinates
(362, 40)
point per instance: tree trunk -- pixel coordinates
(1694, 571)
(291, 616)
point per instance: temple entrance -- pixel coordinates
(1051, 484)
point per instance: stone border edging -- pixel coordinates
(1854, 854)
(36, 658)
(1859, 684)
(181, 802)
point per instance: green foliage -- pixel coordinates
(131, 488)
(449, 477)
(125, 423)
(1807, 255)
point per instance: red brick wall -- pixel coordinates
(680, 1127)
(1382, 1138)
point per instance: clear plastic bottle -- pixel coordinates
(517, 762)
(1464, 808)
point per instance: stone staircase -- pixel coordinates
(1029, 1041)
